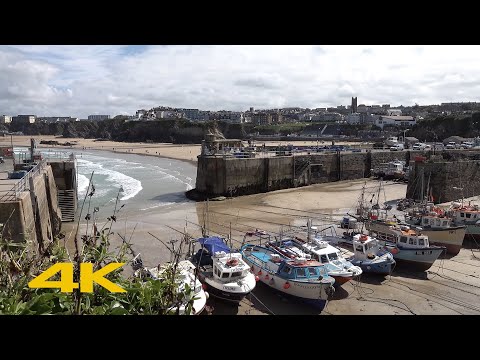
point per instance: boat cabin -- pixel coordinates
(229, 267)
(365, 247)
(467, 214)
(318, 250)
(411, 239)
(434, 221)
(297, 268)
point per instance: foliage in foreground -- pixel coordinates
(22, 262)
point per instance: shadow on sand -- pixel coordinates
(419, 275)
(269, 301)
(372, 279)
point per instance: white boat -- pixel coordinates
(185, 275)
(468, 215)
(407, 245)
(438, 226)
(371, 256)
(226, 275)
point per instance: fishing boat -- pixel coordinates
(184, 275)
(438, 226)
(224, 273)
(302, 278)
(408, 246)
(337, 266)
(468, 215)
(371, 256)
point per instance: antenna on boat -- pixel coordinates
(309, 230)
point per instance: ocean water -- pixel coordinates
(141, 184)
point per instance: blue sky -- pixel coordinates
(78, 80)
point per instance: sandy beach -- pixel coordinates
(451, 286)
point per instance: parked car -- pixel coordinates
(419, 146)
(466, 145)
(397, 147)
(451, 145)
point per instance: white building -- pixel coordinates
(402, 121)
(140, 113)
(394, 112)
(5, 119)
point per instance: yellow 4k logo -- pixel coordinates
(87, 278)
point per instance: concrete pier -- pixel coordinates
(30, 210)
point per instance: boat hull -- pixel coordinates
(228, 293)
(340, 280)
(380, 267)
(315, 294)
(451, 238)
(419, 259)
(233, 297)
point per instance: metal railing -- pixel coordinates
(23, 184)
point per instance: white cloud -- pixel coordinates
(81, 80)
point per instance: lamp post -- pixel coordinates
(13, 154)
(404, 132)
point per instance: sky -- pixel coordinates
(80, 80)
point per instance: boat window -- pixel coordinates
(403, 239)
(444, 222)
(301, 272)
(237, 273)
(468, 215)
(359, 248)
(323, 259)
(333, 256)
(438, 222)
(462, 215)
(411, 241)
(421, 242)
(425, 221)
(312, 271)
(225, 275)
(215, 270)
(287, 269)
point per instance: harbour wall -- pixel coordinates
(448, 178)
(230, 176)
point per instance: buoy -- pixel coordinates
(266, 276)
(204, 286)
(259, 272)
(394, 251)
(287, 285)
(271, 281)
(257, 278)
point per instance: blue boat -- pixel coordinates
(337, 266)
(302, 278)
(371, 256)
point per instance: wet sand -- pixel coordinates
(450, 286)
